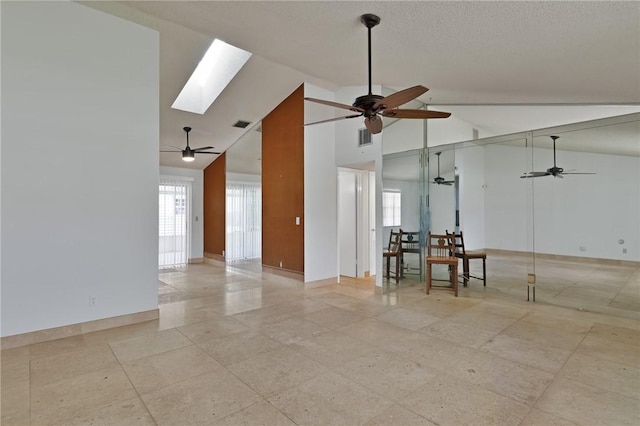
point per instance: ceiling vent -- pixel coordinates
(241, 124)
(364, 137)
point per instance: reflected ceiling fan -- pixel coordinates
(372, 107)
(554, 171)
(439, 180)
(188, 153)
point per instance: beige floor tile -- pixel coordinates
(58, 346)
(156, 371)
(276, 370)
(587, 405)
(333, 317)
(260, 317)
(550, 334)
(436, 305)
(259, 414)
(147, 345)
(610, 350)
(536, 355)
(332, 349)
(484, 320)
(435, 353)
(68, 364)
(57, 402)
(398, 416)
(388, 374)
(540, 418)
(239, 346)
(329, 399)
(603, 374)
(127, 412)
(463, 334)
(335, 299)
(407, 318)
(513, 380)
(303, 306)
(380, 334)
(15, 396)
(449, 401)
(616, 334)
(21, 418)
(205, 399)
(210, 329)
(293, 330)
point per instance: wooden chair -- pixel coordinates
(394, 250)
(440, 252)
(461, 253)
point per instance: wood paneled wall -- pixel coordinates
(215, 187)
(283, 184)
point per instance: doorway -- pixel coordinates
(356, 222)
(174, 207)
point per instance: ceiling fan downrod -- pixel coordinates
(369, 20)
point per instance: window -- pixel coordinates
(391, 208)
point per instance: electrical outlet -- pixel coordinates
(281, 263)
(92, 301)
(624, 251)
(531, 278)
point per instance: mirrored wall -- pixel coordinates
(562, 222)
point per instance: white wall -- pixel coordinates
(402, 135)
(79, 166)
(320, 190)
(443, 131)
(197, 203)
(470, 167)
(589, 211)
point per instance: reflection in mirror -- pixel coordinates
(402, 180)
(244, 200)
(442, 190)
(578, 235)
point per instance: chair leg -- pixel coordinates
(484, 272)
(455, 280)
(465, 271)
(428, 274)
(398, 264)
(388, 265)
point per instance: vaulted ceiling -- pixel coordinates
(466, 52)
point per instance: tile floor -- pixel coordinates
(234, 346)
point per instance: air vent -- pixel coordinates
(241, 124)
(364, 137)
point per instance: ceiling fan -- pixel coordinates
(371, 106)
(554, 171)
(439, 180)
(188, 153)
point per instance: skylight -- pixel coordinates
(214, 72)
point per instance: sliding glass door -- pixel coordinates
(244, 221)
(174, 212)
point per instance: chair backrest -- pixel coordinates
(440, 245)
(458, 242)
(395, 241)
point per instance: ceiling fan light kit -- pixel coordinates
(373, 107)
(189, 154)
(555, 171)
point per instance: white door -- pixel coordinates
(347, 223)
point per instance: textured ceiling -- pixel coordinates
(469, 52)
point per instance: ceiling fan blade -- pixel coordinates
(202, 148)
(334, 119)
(400, 98)
(335, 104)
(374, 125)
(535, 174)
(572, 173)
(207, 152)
(414, 113)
